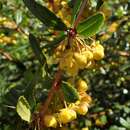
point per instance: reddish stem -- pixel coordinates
(55, 87)
(52, 4)
(80, 13)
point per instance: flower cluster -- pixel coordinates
(68, 114)
(79, 56)
(62, 10)
(72, 55)
(7, 23)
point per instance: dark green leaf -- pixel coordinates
(45, 15)
(70, 93)
(124, 67)
(76, 9)
(32, 79)
(91, 26)
(56, 41)
(99, 4)
(1, 6)
(37, 50)
(23, 109)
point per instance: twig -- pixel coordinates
(54, 88)
(52, 4)
(6, 55)
(21, 31)
(80, 13)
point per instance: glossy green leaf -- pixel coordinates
(23, 109)
(91, 25)
(45, 15)
(70, 93)
(37, 50)
(76, 9)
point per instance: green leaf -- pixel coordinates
(98, 109)
(99, 4)
(45, 15)
(70, 93)
(37, 50)
(114, 127)
(56, 41)
(125, 123)
(103, 119)
(1, 5)
(91, 26)
(124, 67)
(23, 109)
(76, 9)
(18, 17)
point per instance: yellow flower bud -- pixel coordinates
(85, 98)
(105, 37)
(81, 85)
(89, 55)
(63, 3)
(73, 69)
(98, 51)
(82, 109)
(113, 27)
(68, 63)
(67, 115)
(50, 121)
(85, 128)
(80, 59)
(98, 122)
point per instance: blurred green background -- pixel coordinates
(21, 74)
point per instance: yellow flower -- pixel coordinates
(82, 109)
(80, 59)
(85, 98)
(86, 128)
(105, 37)
(81, 85)
(113, 27)
(67, 115)
(98, 51)
(89, 55)
(98, 122)
(50, 121)
(68, 63)
(73, 69)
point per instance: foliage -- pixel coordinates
(23, 74)
(23, 109)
